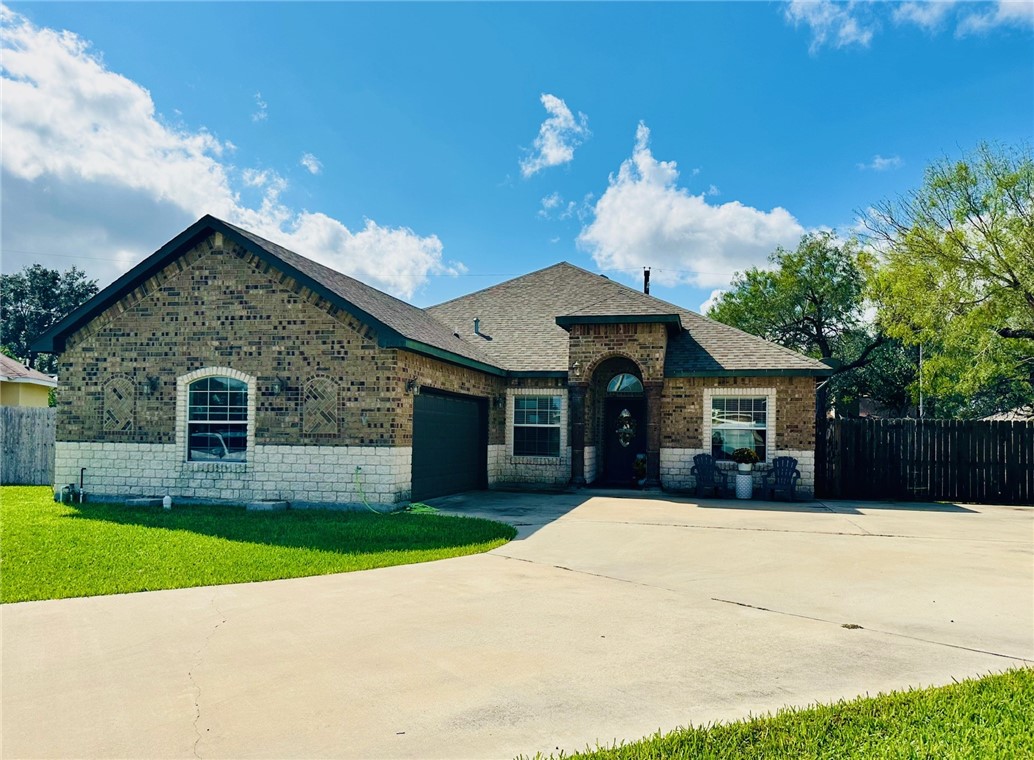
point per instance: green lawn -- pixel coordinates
(53, 551)
(991, 717)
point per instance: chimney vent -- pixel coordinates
(646, 280)
(477, 326)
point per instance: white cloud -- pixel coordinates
(558, 136)
(713, 190)
(310, 162)
(837, 24)
(261, 109)
(926, 14)
(881, 164)
(555, 207)
(843, 24)
(711, 301)
(92, 175)
(1004, 13)
(645, 219)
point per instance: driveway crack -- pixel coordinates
(199, 657)
(855, 626)
(587, 572)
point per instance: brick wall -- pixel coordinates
(589, 345)
(683, 414)
(685, 424)
(218, 305)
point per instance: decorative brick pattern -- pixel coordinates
(320, 406)
(119, 400)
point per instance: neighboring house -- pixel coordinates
(227, 367)
(21, 386)
(1019, 414)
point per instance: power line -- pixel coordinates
(632, 270)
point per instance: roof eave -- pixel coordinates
(673, 320)
(48, 383)
(751, 372)
(438, 353)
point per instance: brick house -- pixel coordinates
(225, 367)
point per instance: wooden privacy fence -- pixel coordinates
(943, 460)
(28, 445)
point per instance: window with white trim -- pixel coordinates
(536, 426)
(739, 422)
(217, 420)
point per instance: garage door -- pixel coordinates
(450, 444)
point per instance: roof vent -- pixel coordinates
(477, 326)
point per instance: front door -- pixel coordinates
(624, 436)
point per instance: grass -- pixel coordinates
(55, 551)
(990, 717)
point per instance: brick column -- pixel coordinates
(653, 433)
(576, 411)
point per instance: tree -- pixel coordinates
(34, 300)
(812, 300)
(957, 277)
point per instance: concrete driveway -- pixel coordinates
(608, 618)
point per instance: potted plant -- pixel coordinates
(639, 469)
(745, 459)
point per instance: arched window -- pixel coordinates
(624, 383)
(217, 420)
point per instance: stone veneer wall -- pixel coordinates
(302, 475)
(685, 424)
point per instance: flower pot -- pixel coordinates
(745, 467)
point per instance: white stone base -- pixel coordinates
(532, 471)
(676, 464)
(297, 474)
(591, 464)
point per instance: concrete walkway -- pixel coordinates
(608, 618)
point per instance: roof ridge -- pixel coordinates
(518, 278)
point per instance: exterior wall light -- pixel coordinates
(412, 387)
(278, 386)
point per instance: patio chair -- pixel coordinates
(784, 476)
(708, 474)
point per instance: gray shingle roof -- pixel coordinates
(519, 316)
(518, 330)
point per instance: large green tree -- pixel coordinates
(32, 301)
(957, 277)
(811, 299)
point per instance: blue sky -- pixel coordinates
(435, 149)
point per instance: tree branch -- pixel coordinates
(1008, 332)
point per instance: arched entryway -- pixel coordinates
(619, 420)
